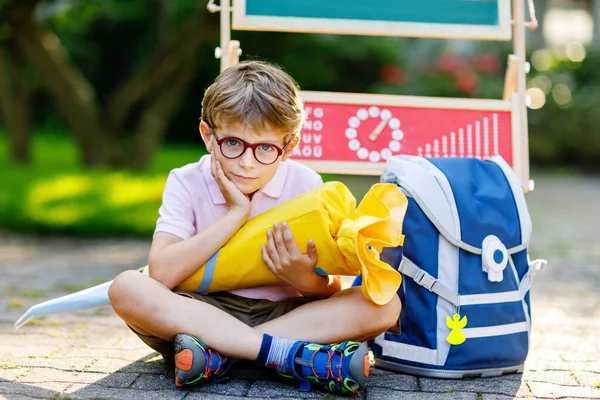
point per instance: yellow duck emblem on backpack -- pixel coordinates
(455, 324)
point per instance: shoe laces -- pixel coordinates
(208, 369)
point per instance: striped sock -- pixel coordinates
(274, 352)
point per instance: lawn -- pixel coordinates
(55, 195)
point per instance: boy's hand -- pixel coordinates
(236, 200)
(284, 259)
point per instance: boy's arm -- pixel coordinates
(172, 259)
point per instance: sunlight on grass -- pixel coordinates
(65, 200)
(124, 191)
(45, 201)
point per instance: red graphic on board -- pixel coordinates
(370, 134)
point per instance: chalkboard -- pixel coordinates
(484, 19)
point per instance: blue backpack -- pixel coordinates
(466, 272)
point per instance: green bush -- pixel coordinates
(54, 195)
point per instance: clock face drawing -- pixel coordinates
(374, 134)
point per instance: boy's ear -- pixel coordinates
(206, 136)
(290, 148)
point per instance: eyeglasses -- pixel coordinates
(233, 147)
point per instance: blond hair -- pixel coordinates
(256, 94)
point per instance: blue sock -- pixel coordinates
(274, 352)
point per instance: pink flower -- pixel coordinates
(487, 63)
(448, 63)
(392, 74)
(466, 81)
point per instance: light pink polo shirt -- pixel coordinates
(192, 201)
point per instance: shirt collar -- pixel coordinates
(273, 188)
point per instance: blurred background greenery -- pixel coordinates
(99, 100)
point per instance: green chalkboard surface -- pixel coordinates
(436, 11)
(441, 18)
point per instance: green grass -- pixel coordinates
(56, 195)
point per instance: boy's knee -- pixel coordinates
(390, 312)
(120, 291)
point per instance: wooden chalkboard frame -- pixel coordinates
(503, 31)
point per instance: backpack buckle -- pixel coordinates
(424, 279)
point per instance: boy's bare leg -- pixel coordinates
(345, 316)
(147, 305)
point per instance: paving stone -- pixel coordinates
(65, 364)
(214, 396)
(41, 389)
(385, 394)
(37, 375)
(234, 387)
(487, 396)
(109, 365)
(27, 351)
(10, 374)
(282, 389)
(153, 382)
(394, 381)
(117, 380)
(14, 397)
(498, 385)
(589, 379)
(81, 391)
(121, 354)
(552, 391)
(557, 377)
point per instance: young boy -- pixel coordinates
(306, 327)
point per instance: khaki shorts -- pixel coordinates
(251, 312)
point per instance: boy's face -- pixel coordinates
(245, 171)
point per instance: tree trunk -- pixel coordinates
(153, 122)
(14, 104)
(165, 63)
(72, 91)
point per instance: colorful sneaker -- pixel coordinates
(338, 368)
(196, 363)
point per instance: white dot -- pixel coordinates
(354, 145)
(354, 122)
(386, 114)
(386, 153)
(318, 112)
(362, 114)
(394, 146)
(397, 134)
(350, 133)
(394, 123)
(374, 112)
(374, 156)
(362, 153)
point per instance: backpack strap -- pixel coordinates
(421, 277)
(424, 279)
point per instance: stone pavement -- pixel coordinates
(91, 354)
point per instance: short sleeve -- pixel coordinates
(176, 215)
(316, 181)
